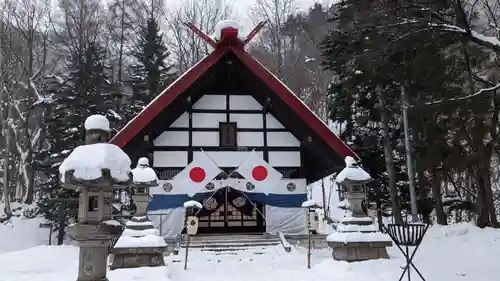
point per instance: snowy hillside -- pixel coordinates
(454, 253)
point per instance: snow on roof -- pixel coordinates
(356, 219)
(139, 223)
(144, 175)
(223, 24)
(309, 203)
(352, 237)
(192, 203)
(352, 172)
(357, 228)
(144, 241)
(97, 122)
(88, 160)
(140, 233)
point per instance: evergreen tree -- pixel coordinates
(152, 71)
(82, 90)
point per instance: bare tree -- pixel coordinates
(186, 47)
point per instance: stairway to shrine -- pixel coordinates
(224, 247)
(231, 242)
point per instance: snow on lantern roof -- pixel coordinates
(352, 172)
(143, 161)
(309, 203)
(143, 174)
(192, 204)
(97, 122)
(223, 24)
(88, 161)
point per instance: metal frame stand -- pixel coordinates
(407, 235)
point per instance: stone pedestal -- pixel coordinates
(94, 246)
(139, 245)
(357, 239)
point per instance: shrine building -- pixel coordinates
(226, 107)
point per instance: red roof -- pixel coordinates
(175, 89)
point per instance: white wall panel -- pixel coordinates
(247, 102)
(211, 102)
(250, 138)
(172, 138)
(182, 121)
(225, 158)
(285, 139)
(208, 120)
(170, 158)
(284, 158)
(273, 123)
(205, 138)
(252, 121)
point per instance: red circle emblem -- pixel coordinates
(197, 174)
(259, 173)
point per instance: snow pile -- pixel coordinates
(143, 241)
(97, 122)
(454, 253)
(309, 203)
(192, 204)
(352, 172)
(356, 228)
(22, 233)
(88, 160)
(222, 25)
(349, 237)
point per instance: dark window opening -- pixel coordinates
(227, 134)
(93, 203)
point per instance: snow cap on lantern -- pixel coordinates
(97, 129)
(225, 29)
(97, 162)
(353, 173)
(144, 175)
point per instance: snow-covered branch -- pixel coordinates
(482, 91)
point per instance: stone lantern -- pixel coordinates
(357, 238)
(140, 243)
(352, 181)
(95, 170)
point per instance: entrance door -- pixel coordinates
(232, 216)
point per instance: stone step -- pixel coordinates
(232, 244)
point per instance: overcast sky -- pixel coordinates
(243, 7)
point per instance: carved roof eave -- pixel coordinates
(348, 181)
(105, 181)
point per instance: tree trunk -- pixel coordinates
(389, 161)
(437, 196)
(6, 161)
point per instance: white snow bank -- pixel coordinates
(144, 175)
(223, 24)
(347, 237)
(22, 233)
(453, 253)
(309, 203)
(139, 233)
(33, 264)
(144, 241)
(89, 160)
(192, 204)
(97, 122)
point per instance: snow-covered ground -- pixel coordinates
(454, 253)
